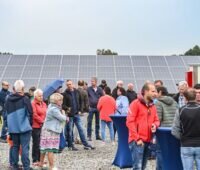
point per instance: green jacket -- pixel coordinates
(166, 109)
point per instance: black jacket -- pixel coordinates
(132, 95)
(186, 125)
(114, 93)
(176, 97)
(68, 103)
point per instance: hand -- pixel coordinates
(140, 143)
(63, 112)
(67, 119)
(153, 128)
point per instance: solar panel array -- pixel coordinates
(39, 70)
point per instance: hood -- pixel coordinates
(15, 97)
(141, 99)
(166, 99)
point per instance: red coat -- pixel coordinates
(39, 113)
(139, 121)
(107, 107)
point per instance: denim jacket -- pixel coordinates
(54, 119)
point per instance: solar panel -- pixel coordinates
(140, 84)
(140, 61)
(44, 82)
(69, 72)
(170, 85)
(50, 72)
(178, 72)
(121, 61)
(88, 60)
(110, 83)
(142, 73)
(13, 72)
(35, 60)
(52, 60)
(18, 60)
(161, 72)
(157, 61)
(105, 61)
(87, 72)
(175, 61)
(1, 70)
(30, 82)
(191, 59)
(31, 72)
(124, 72)
(70, 60)
(4, 59)
(137, 69)
(105, 72)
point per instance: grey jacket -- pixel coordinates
(54, 119)
(166, 109)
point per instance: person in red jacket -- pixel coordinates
(106, 107)
(142, 122)
(39, 115)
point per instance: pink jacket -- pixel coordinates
(107, 107)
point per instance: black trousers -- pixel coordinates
(36, 144)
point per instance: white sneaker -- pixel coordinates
(55, 168)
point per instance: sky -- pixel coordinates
(129, 27)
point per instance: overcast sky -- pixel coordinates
(149, 27)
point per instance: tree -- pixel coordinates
(105, 52)
(5, 53)
(193, 51)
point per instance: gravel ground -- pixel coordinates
(99, 159)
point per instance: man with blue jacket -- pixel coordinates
(94, 93)
(19, 119)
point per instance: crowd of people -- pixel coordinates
(71, 113)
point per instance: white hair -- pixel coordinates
(19, 86)
(37, 91)
(120, 82)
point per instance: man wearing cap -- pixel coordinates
(103, 84)
(179, 97)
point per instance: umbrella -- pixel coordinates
(52, 87)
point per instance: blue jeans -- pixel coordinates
(69, 130)
(159, 160)
(92, 112)
(139, 155)
(10, 155)
(22, 139)
(4, 127)
(103, 130)
(188, 156)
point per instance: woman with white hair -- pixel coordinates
(53, 125)
(39, 114)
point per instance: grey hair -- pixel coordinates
(37, 91)
(19, 85)
(94, 78)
